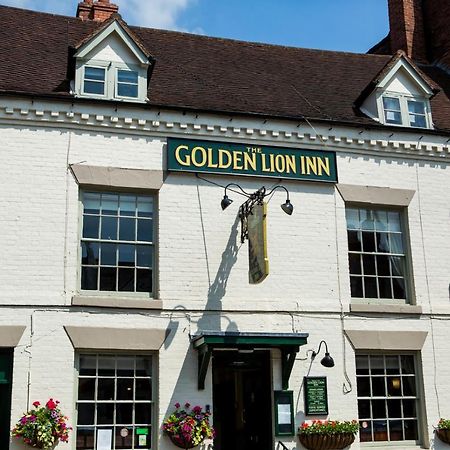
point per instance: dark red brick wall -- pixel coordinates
(437, 28)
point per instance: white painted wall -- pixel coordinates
(203, 266)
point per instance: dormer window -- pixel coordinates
(112, 65)
(404, 111)
(399, 96)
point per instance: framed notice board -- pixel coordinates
(316, 396)
(284, 413)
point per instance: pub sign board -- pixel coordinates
(316, 396)
(258, 261)
(187, 155)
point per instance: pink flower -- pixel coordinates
(36, 404)
(186, 405)
(177, 405)
(50, 404)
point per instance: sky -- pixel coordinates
(344, 25)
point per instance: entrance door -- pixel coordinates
(242, 400)
(6, 361)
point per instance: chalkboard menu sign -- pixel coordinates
(316, 398)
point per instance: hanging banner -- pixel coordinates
(186, 155)
(258, 262)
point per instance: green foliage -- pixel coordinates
(443, 424)
(329, 427)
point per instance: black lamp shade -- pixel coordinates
(287, 207)
(327, 361)
(226, 202)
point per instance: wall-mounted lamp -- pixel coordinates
(254, 198)
(327, 360)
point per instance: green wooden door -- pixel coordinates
(6, 363)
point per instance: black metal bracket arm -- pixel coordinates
(287, 363)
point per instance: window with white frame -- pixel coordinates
(388, 399)
(127, 83)
(376, 253)
(94, 80)
(115, 402)
(117, 248)
(405, 111)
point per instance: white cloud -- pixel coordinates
(154, 13)
(146, 13)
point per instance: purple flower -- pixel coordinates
(177, 405)
(197, 409)
(186, 405)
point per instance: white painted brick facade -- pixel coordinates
(202, 266)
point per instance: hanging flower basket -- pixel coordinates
(327, 435)
(324, 442)
(42, 427)
(443, 430)
(188, 428)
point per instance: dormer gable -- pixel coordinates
(112, 64)
(399, 95)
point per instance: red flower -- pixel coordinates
(36, 404)
(50, 404)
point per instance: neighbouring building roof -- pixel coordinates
(204, 73)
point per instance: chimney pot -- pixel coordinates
(98, 11)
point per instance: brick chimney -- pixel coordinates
(437, 26)
(406, 24)
(97, 10)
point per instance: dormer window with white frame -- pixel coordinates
(111, 66)
(401, 98)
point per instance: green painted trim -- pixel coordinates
(268, 341)
(288, 397)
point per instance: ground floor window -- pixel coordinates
(115, 402)
(387, 397)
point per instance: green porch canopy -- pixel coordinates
(208, 341)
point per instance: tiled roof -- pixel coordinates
(204, 73)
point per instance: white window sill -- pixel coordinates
(116, 302)
(384, 308)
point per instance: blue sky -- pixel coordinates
(347, 25)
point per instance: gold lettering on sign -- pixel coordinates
(211, 164)
(250, 160)
(325, 165)
(291, 164)
(237, 158)
(280, 163)
(195, 161)
(222, 154)
(187, 160)
(311, 165)
(264, 164)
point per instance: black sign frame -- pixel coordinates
(285, 398)
(317, 387)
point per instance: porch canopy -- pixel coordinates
(208, 341)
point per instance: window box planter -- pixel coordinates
(317, 441)
(443, 430)
(178, 440)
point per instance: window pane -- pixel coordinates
(89, 253)
(377, 365)
(126, 255)
(411, 430)
(144, 255)
(356, 287)
(369, 264)
(396, 243)
(144, 280)
(88, 365)
(91, 203)
(85, 414)
(127, 90)
(124, 413)
(391, 103)
(365, 431)
(126, 280)
(106, 366)
(143, 413)
(110, 204)
(409, 408)
(143, 389)
(379, 409)
(394, 221)
(89, 278)
(382, 242)
(362, 365)
(396, 430)
(409, 386)
(125, 366)
(109, 228)
(108, 254)
(143, 367)
(145, 206)
(94, 73)
(86, 389)
(125, 389)
(105, 389)
(384, 285)
(381, 220)
(392, 365)
(85, 438)
(107, 279)
(354, 241)
(364, 409)
(91, 226)
(393, 117)
(378, 387)
(415, 107)
(370, 287)
(394, 385)
(105, 413)
(394, 408)
(124, 438)
(127, 229)
(145, 230)
(127, 76)
(368, 241)
(407, 364)
(417, 121)
(352, 217)
(127, 205)
(94, 87)
(363, 386)
(380, 430)
(354, 263)
(383, 267)
(399, 288)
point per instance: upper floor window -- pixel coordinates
(127, 83)
(376, 253)
(405, 111)
(117, 242)
(94, 80)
